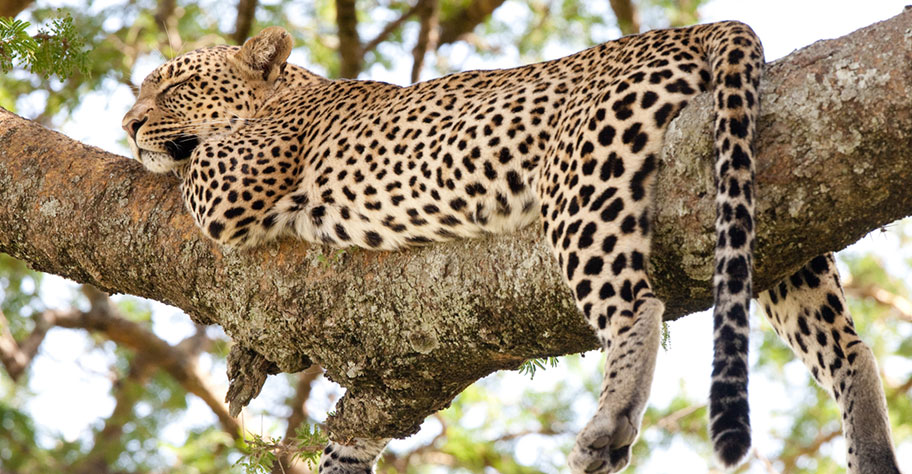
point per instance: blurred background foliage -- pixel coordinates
(148, 416)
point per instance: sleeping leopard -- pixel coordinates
(267, 149)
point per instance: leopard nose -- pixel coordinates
(132, 127)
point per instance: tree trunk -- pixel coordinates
(407, 331)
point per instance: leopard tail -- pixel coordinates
(736, 61)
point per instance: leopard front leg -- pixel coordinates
(603, 261)
(602, 252)
(357, 456)
(809, 312)
(596, 200)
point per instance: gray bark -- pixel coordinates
(407, 331)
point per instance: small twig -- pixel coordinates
(766, 462)
(670, 421)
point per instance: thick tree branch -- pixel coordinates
(406, 331)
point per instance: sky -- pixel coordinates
(782, 25)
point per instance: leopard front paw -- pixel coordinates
(603, 446)
(357, 456)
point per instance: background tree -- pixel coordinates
(152, 368)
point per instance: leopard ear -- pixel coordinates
(263, 56)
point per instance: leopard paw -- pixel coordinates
(358, 456)
(604, 445)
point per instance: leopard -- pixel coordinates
(265, 149)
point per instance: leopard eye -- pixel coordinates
(177, 84)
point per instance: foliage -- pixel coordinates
(19, 298)
(262, 452)
(57, 49)
(530, 366)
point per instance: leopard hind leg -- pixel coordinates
(809, 312)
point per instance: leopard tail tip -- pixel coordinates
(731, 447)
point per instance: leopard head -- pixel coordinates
(201, 95)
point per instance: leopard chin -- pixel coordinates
(178, 151)
(156, 162)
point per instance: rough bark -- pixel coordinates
(406, 331)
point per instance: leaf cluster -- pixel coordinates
(262, 452)
(57, 49)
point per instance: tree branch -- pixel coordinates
(246, 12)
(627, 18)
(898, 303)
(790, 460)
(464, 22)
(107, 441)
(297, 403)
(685, 13)
(390, 28)
(11, 8)
(166, 19)
(349, 41)
(177, 362)
(427, 35)
(16, 356)
(406, 331)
